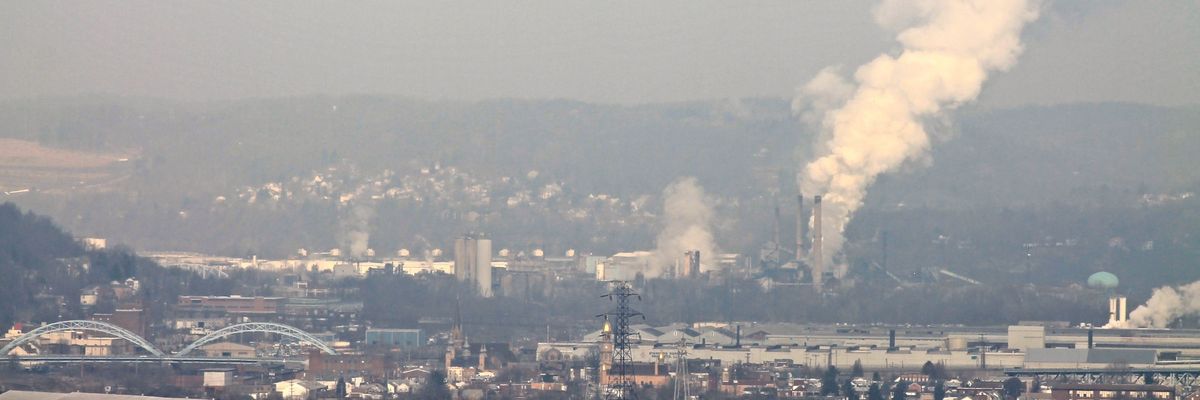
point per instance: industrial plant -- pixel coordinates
(668, 200)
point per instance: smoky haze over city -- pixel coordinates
(853, 200)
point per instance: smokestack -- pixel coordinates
(738, 343)
(1123, 318)
(778, 222)
(818, 259)
(1117, 315)
(801, 227)
(691, 264)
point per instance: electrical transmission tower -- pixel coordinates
(682, 378)
(620, 383)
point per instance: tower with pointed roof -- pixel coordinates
(606, 352)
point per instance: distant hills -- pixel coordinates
(1072, 154)
(185, 156)
(1032, 154)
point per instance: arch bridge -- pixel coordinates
(122, 333)
(260, 327)
(82, 325)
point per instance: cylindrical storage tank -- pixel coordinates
(483, 271)
(954, 343)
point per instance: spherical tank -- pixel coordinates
(1103, 280)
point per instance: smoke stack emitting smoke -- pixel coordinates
(818, 250)
(688, 217)
(801, 227)
(874, 124)
(1166, 305)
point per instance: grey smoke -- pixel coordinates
(354, 233)
(688, 225)
(1166, 305)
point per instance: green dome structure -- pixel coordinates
(1103, 280)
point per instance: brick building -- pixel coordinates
(1111, 391)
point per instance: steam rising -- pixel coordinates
(874, 125)
(688, 214)
(354, 231)
(1166, 305)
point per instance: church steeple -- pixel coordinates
(482, 357)
(457, 338)
(606, 351)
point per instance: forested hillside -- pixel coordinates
(44, 269)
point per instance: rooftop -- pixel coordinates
(28, 395)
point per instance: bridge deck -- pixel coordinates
(151, 359)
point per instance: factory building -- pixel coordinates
(1027, 345)
(624, 266)
(689, 265)
(1079, 391)
(407, 338)
(473, 262)
(244, 308)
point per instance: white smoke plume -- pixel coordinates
(875, 124)
(354, 232)
(1166, 305)
(688, 217)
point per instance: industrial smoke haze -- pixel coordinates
(874, 124)
(688, 220)
(354, 232)
(1167, 304)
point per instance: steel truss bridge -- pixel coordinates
(1183, 376)
(154, 354)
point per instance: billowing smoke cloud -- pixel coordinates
(354, 232)
(874, 124)
(1166, 305)
(688, 218)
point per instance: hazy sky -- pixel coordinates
(601, 51)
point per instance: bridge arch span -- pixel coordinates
(260, 327)
(82, 325)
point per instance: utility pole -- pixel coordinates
(982, 352)
(620, 384)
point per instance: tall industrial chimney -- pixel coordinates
(801, 227)
(777, 238)
(1117, 314)
(818, 260)
(691, 264)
